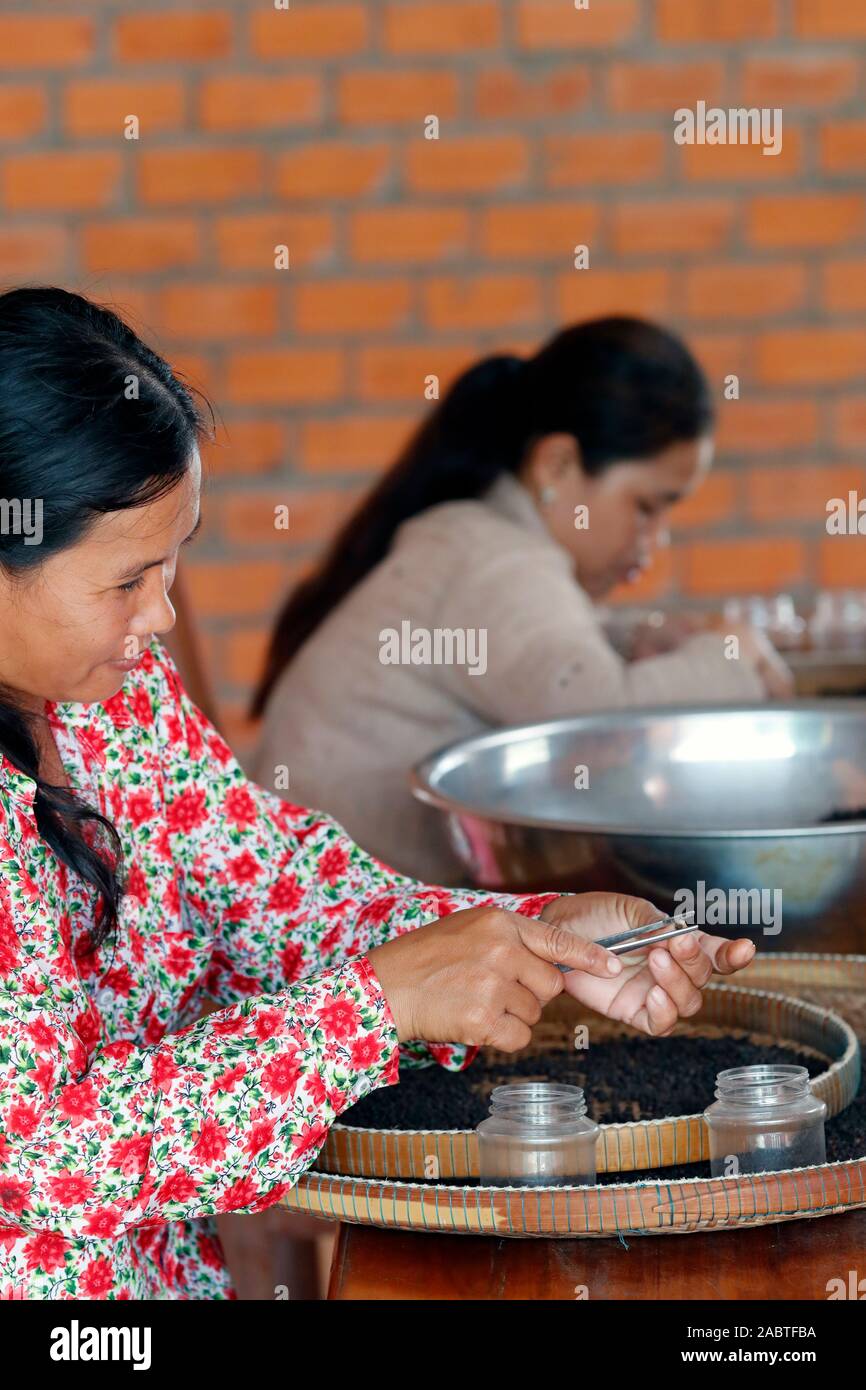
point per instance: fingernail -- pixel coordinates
(614, 964)
(662, 960)
(658, 995)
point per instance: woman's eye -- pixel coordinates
(133, 584)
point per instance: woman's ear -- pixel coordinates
(551, 461)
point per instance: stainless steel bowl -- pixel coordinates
(734, 798)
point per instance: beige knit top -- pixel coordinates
(473, 620)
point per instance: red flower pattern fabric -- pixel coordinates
(127, 1121)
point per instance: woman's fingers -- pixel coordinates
(660, 1013)
(557, 943)
(677, 981)
(521, 1003)
(725, 955)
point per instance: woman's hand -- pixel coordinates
(482, 976)
(758, 649)
(658, 986)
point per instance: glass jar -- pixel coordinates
(765, 1117)
(537, 1135)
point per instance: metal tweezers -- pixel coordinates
(635, 940)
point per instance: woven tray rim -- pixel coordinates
(342, 1192)
(844, 1063)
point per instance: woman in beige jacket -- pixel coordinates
(461, 595)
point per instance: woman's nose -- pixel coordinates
(662, 536)
(157, 615)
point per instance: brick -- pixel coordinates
(715, 163)
(467, 163)
(246, 448)
(379, 97)
(505, 94)
(808, 219)
(332, 169)
(583, 294)
(259, 102)
(248, 518)
(23, 110)
(664, 225)
(633, 88)
(702, 21)
(275, 376)
(60, 181)
(545, 24)
(483, 301)
(799, 494)
(188, 37)
(767, 426)
(798, 79)
(811, 356)
(243, 588)
(722, 355)
(329, 31)
(714, 501)
(400, 373)
(246, 241)
(351, 306)
(842, 562)
(403, 235)
(842, 146)
(843, 285)
(617, 157)
(244, 652)
(33, 250)
(101, 106)
(472, 26)
(354, 443)
(745, 291)
(145, 243)
(829, 19)
(760, 565)
(199, 368)
(134, 302)
(45, 41)
(849, 422)
(219, 311)
(197, 175)
(538, 231)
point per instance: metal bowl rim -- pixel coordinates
(421, 788)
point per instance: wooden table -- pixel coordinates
(787, 1260)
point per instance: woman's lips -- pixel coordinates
(128, 664)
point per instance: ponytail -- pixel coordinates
(476, 433)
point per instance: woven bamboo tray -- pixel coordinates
(366, 1175)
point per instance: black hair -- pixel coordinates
(91, 421)
(624, 388)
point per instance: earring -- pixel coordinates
(547, 494)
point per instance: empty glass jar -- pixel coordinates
(537, 1135)
(764, 1117)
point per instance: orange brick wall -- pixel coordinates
(410, 256)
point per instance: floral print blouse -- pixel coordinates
(128, 1121)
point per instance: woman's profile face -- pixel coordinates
(628, 507)
(72, 627)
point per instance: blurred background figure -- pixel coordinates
(534, 489)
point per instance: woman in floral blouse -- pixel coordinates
(142, 876)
